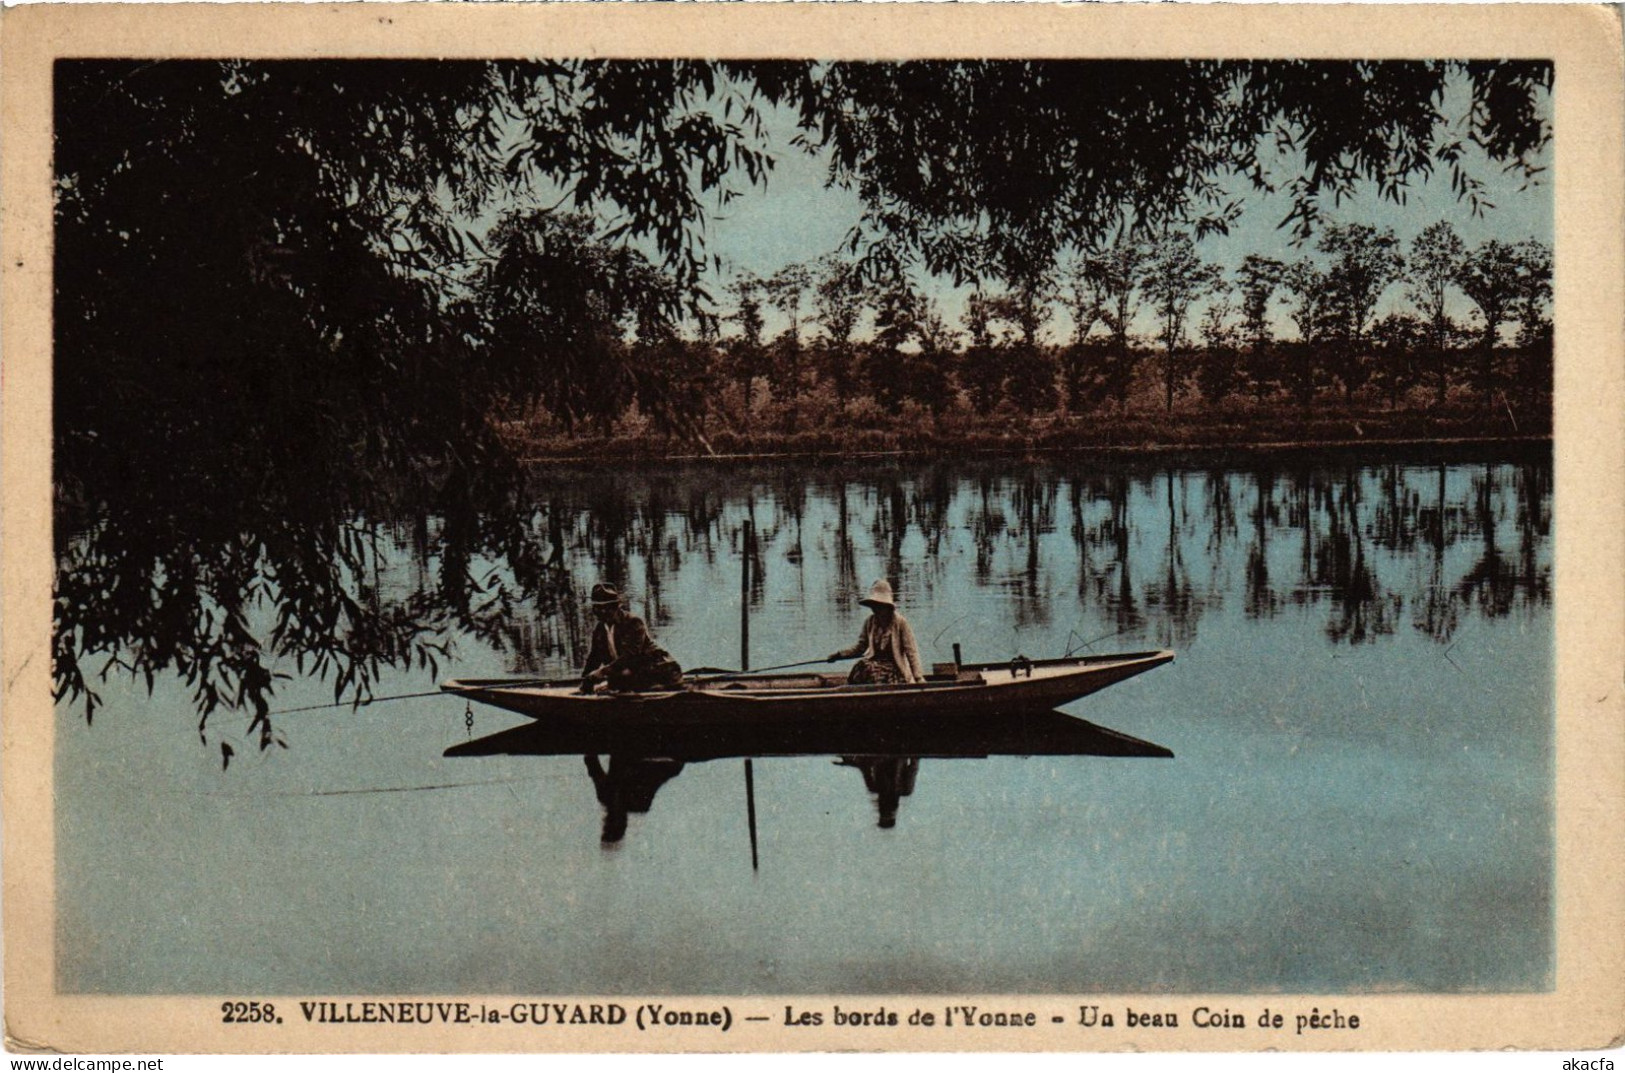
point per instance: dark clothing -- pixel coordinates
(631, 660)
(664, 675)
(628, 786)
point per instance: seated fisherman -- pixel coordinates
(623, 654)
(886, 643)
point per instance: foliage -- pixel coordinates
(838, 307)
(1311, 286)
(280, 320)
(1259, 278)
(991, 168)
(642, 144)
(1219, 373)
(1117, 275)
(1402, 346)
(1084, 295)
(248, 366)
(747, 356)
(909, 359)
(980, 371)
(1175, 279)
(1532, 308)
(1494, 275)
(576, 312)
(1364, 262)
(1436, 258)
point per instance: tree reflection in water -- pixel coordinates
(1172, 596)
(1362, 550)
(1376, 546)
(1261, 598)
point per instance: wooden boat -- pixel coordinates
(951, 691)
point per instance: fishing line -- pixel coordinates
(1090, 644)
(358, 703)
(343, 793)
(938, 638)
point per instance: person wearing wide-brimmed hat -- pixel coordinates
(623, 653)
(886, 644)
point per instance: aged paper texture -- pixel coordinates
(1392, 814)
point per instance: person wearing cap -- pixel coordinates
(623, 653)
(886, 643)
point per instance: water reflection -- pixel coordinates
(887, 753)
(1008, 557)
(888, 778)
(1361, 705)
(1064, 553)
(628, 785)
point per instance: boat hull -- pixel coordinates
(975, 690)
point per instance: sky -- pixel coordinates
(796, 218)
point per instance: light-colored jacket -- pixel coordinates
(903, 647)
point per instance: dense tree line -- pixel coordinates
(275, 315)
(1474, 321)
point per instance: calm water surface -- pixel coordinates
(1361, 714)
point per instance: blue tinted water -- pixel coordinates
(1361, 798)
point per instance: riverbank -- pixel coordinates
(1228, 430)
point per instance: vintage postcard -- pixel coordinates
(792, 528)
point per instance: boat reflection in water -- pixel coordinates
(889, 778)
(628, 785)
(886, 752)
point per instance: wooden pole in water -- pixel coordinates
(748, 543)
(750, 811)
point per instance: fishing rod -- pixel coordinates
(725, 672)
(719, 672)
(1071, 650)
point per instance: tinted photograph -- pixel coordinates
(801, 527)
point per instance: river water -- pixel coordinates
(1360, 799)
